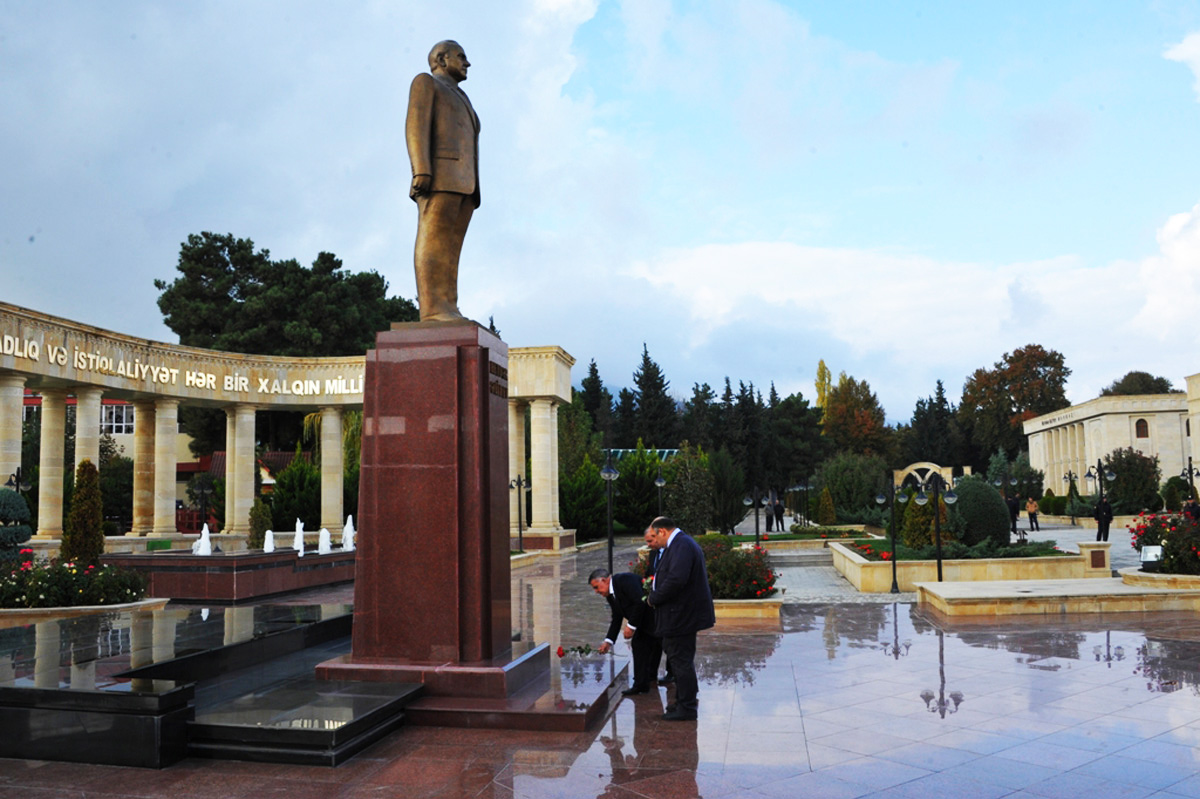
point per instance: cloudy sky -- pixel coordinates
(907, 190)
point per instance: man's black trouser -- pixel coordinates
(647, 652)
(681, 659)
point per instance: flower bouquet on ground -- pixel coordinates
(577, 651)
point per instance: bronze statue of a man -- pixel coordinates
(442, 132)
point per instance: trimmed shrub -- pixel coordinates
(826, 514)
(582, 501)
(1172, 499)
(14, 524)
(260, 522)
(980, 513)
(83, 534)
(297, 495)
(918, 523)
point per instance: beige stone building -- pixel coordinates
(1072, 439)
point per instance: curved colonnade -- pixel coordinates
(57, 358)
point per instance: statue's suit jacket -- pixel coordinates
(442, 132)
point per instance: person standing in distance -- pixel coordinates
(683, 606)
(442, 133)
(1103, 514)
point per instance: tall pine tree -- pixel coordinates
(655, 422)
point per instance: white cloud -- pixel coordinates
(1188, 52)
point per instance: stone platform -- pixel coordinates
(1051, 597)
(230, 578)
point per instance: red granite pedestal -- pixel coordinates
(432, 596)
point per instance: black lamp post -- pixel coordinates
(756, 501)
(938, 703)
(659, 482)
(1190, 474)
(609, 473)
(891, 500)
(205, 491)
(521, 486)
(16, 483)
(894, 648)
(1109, 476)
(1106, 653)
(1070, 479)
(807, 501)
(937, 483)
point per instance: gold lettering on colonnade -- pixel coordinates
(58, 352)
(56, 357)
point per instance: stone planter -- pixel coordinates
(1182, 582)
(875, 577)
(763, 609)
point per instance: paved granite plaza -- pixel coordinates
(844, 699)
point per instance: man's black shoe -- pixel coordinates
(671, 707)
(678, 714)
(635, 689)
(666, 679)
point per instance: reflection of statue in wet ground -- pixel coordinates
(442, 132)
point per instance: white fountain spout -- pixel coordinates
(348, 534)
(298, 541)
(269, 541)
(202, 545)
(324, 545)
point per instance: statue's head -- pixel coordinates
(447, 57)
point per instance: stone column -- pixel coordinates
(331, 471)
(87, 425)
(141, 634)
(1073, 456)
(516, 454)
(163, 635)
(1053, 474)
(47, 643)
(1080, 448)
(50, 471)
(243, 469)
(143, 468)
(230, 459)
(12, 412)
(541, 446)
(166, 429)
(553, 467)
(239, 624)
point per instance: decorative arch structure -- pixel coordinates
(921, 471)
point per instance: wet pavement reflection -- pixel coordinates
(839, 700)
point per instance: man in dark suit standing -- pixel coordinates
(623, 592)
(442, 133)
(656, 650)
(683, 606)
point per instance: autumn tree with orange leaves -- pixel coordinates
(996, 402)
(854, 420)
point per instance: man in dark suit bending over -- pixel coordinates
(683, 606)
(623, 592)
